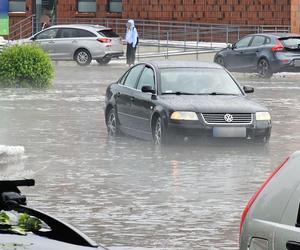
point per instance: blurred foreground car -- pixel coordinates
(262, 53)
(79, 42)
(271, 219)
(34, 230)
(157, 100)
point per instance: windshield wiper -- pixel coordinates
(220, 93)
(178, 93)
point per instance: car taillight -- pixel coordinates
(104, 40)
(278, 46)
(256, 194)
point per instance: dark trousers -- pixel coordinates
(130, 54)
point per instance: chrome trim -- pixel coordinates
(226, 123)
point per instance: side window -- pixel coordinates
(147, 78)
(85, 33)
(243, 42)
(133, 76)
(47, 34)
(258, 41)
(67, 33)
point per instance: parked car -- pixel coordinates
(36, 230)
(155, 100)
(262, 53)
(79, 42)
(271, 219)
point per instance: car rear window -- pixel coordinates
(108, 33)
(291, 42)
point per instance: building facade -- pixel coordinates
(241, 12)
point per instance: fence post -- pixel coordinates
(184, 37)
(167, 56)
(158, 45)
(226, 34)
(197, 56)
(211, 28)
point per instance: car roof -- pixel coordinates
(184, 64)
(277, 35)
(91, 27)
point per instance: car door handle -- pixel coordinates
(292, 245)
(51, 42)
(132, 99)
(241, 52)
(74, 41)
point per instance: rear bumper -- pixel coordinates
(280, 65)
(114, 55)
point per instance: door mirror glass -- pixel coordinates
(148, 89)
(248, 89)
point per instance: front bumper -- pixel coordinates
(258, 130)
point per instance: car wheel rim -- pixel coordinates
(220, 61)
(82, 57)
(157, 134)
(263, 67)
(111, 124)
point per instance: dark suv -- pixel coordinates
(262, 53)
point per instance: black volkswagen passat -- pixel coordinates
(155, 100)
(262, 53)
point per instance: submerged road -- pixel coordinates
(125, 193)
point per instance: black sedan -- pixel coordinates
(263, 53)
(155, 100)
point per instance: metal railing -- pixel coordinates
(163, 37)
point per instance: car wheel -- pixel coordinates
(83, 57)
(220, 60)
(159, 132)
(264, 69)
(103, 61)
(111, 123)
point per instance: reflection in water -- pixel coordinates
(125, 192)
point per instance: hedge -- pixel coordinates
(25, 65)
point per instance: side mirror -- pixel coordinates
(32, 38)
(248, 89)
(148, 89)
(229, 46)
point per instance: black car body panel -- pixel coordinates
(136, 111)
(245, 55)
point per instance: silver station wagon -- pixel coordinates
(79, 42)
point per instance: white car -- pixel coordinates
(3, 42)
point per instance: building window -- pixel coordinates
(86, 5)
(115, 5)
(17, 5)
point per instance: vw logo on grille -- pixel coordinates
(228, 118)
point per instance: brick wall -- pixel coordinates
(252, 12)
(295, 16)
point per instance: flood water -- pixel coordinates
(125, 193)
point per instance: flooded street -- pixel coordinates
(125, 193)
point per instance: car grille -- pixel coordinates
(219, 118)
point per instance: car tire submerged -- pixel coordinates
(111, 123)
(264, 68)
(83, 57)
(159, 132)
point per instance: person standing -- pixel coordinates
(132, 41)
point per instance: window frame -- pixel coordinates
(16, 11)
(81, 11)
(109, 9)
(154, 79)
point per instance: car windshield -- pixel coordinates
(198, 81)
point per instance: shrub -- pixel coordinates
(25, 66)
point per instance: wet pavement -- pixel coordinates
(124, 192)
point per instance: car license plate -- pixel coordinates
(229, 132)
(297, 63)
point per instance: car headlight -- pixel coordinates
(183, 115)
(263, 116)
